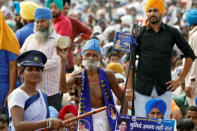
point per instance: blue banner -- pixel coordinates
(123, 42)
(134, 123)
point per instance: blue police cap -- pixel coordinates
(32, 58)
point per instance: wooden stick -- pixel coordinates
(85, 115)
(81, 116)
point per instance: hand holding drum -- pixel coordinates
(63, 42)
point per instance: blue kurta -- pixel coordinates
(5, 58)
(24, 32)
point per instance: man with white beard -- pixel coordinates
(94, 87)
(44, 39)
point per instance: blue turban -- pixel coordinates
(158, 103)
(196, 100)
(191, 17)
(92, 44)
(43, 13)
(17, 7)
(58, 3)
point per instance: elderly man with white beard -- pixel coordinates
(94, 87)
(44, 39)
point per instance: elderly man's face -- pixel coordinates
(91, 55)
(154, 15)
(42, 30)
(91, 59)
(155, 113)
(42, 24)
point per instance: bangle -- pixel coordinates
(49, 123)
(129, 90)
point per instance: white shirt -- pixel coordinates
(193, 70)
(50, 78)
(35, 112)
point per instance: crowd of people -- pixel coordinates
(57, 62)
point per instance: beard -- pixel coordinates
(42, 34)
(91, 64)
(18, 26)
(56, 15)
(154, 19)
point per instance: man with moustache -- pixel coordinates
(94, 86)
(26, 9)
(44, 39)
(62, 26)
(17, 17)
(156, 41)
(61, 23)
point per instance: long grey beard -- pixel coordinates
(91, 64)
(42, 35)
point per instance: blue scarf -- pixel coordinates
(85, 100)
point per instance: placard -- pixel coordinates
(123, 42)
(134, 123)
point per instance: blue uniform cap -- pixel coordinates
(191, 17)
(158, 103)
(92, 44)
(32, 58)
(42, 13)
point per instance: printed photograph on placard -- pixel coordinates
(123, 42)
(113, 112)
(84, 125)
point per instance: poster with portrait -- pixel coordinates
(134, 123)
(123, 42)
(113, 113)
(83, 125)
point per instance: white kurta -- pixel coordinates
(50, 78)
(35, 112)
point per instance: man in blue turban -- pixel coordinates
(155, 108)
(17, 17)
(95, 85)
(62, 26)
(191, 78)
(44, 39)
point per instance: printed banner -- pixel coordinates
(134, 123)
(123, 42)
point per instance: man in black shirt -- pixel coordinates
(156, 41)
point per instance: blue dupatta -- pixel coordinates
(85, 100)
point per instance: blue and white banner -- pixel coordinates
(134, 123)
